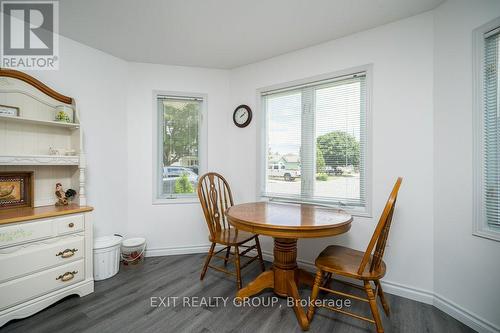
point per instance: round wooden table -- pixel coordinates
(286, 223)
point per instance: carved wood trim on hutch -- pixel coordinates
(35, 83)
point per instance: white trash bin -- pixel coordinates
(106, 256)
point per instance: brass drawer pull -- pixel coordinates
(71, 225)
(67, 253)
(66, 276)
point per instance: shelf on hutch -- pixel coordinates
(71, 126)
(38, 160)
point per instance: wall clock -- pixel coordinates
(242, 116)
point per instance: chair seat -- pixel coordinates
(345, 261)
(232, 237)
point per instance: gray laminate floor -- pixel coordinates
(123, 304)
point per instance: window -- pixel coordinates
(316, 131)
(179, 145)
(487, 129)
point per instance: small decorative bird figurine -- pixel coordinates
(64, 197)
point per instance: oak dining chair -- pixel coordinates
(215, 198)
(367, 267)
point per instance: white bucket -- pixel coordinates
(133, 250)
(106, 256)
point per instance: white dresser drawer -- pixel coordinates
(69, 224)
(25, 232)
(23, 259)
(29, 287)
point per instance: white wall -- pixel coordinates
(171, 225)
(97, 81)
(467, 268)
(402, 58)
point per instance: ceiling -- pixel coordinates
(221, 33)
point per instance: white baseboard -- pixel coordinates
(416, 294)
(468, 318)
(176, 250)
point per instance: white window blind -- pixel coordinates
(316, 143)
(491, 130)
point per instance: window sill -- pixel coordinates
(165, 201)
(361, 212)
(488, 234)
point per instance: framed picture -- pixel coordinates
(16, 190)
(11, 111)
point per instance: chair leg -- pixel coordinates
(383, 300)
(207, 261)
(259, 253)
(373, 306)
(326, 281)
(227, 255)
(314, 294)
(237, 266)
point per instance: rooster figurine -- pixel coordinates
(63, 198)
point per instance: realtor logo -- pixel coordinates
(29, 38)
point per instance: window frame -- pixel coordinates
(262, 138)
(480, 226)
(159, 199)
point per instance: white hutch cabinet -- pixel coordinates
(45, 250)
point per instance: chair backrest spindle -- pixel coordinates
(215, 198)
(379, 238)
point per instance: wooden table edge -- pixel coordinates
(291, 232)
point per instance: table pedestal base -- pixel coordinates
(284, 278)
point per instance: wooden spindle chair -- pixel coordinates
(215, 198)
(363, 266)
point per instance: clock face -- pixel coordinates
(242, 116)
